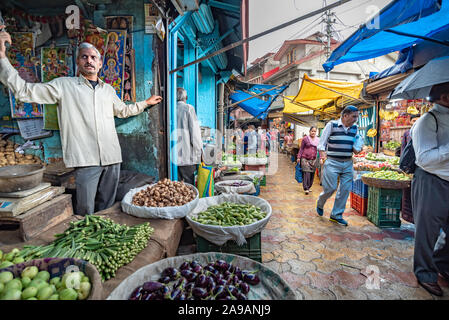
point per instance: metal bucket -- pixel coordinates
(20, 177)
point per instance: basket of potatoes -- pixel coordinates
(165, 199)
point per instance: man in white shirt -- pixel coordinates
(86, 110)
(430, 191)
(339, 140)
(190, 143)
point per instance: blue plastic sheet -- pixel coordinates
(418, 17)
(257, 107)
(402, 64)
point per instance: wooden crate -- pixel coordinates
(41, 218)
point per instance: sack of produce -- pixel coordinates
(164, 200)
(229, 217)
(235, 187)
(204, 276)
(50, 279)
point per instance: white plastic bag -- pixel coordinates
(176, 212)
(224, 187)
(220, 235)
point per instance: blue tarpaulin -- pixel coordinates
(417, 17)
(257, 107)
(402, 64)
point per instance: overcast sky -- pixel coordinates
(266, 14)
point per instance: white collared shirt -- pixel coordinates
(85, 115)
(432, 148)
(322, 146)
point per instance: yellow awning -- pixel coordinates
(318, 94)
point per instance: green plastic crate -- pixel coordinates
(384, 207)
(252, 249)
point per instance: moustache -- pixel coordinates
(89, 65)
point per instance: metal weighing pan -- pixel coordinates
(20, 177)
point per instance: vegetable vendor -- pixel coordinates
(340, 139)
(86, 110)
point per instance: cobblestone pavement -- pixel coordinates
(322, 260)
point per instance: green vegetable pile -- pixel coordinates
(230, 214)
(387, 174)
(392, 145)
(394, 161)
(104, 243)
(37, 285)
(375, 157)
(11, 258)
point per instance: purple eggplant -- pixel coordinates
(163, 290)
(194, 263)
(185, 265)
(241, 296)
(197, 269)
(152, 286)
(165, 279)
(135, 295)
(167, 271)
(233, 290)
(251, 278)
(226, 273)
(221, 265)
(189, 275)
(182, 296)
(231, 268)
(209, 268)
(244, 287)
(189, 286)
(222, 282)
(220, 292)
(201, 281)
(199, 292)
(235, 280)
(210, 283)
(174, 295)
(181, 283)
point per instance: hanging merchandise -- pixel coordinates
(54, 65)
(126, 23)
(22, 58)
(95, 36)
(114, 61)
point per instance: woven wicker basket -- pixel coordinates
(389, 152)
(386, 183)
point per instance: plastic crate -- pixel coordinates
(359, 188)
(384, 207)
(252, 249)
(359, 204)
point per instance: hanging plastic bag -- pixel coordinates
(298, 173)
(205, 180)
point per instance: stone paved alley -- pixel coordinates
(308, 251)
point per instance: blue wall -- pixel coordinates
(207, 101)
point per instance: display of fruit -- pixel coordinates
(165, 193)
(392, 145)
(412, 110)
(217, 280)
(368, 166)
(394, 161)
(375, 157)
(37, 285)
(388, 175)
(371, 133)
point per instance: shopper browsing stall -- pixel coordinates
(337, 143)
(86, 110)
(307, 158)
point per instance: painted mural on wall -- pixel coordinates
(126, 23)
(22, 58)
(53, 65)
(114, 61)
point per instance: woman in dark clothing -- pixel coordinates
(307, 157)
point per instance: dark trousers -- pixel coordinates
(96, 188)
(307, 179)
(430, 213)
(187, 174)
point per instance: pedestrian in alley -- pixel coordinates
(307, 158)
(339, 140)
(86, 109)
(430, 191)
(190, 143)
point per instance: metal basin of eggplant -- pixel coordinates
(20, 177)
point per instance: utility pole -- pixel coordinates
(328, 21)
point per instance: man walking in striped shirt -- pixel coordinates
(337, 143)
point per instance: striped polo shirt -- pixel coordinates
(341, 143)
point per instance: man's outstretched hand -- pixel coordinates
(153, 100)
(4, 37)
